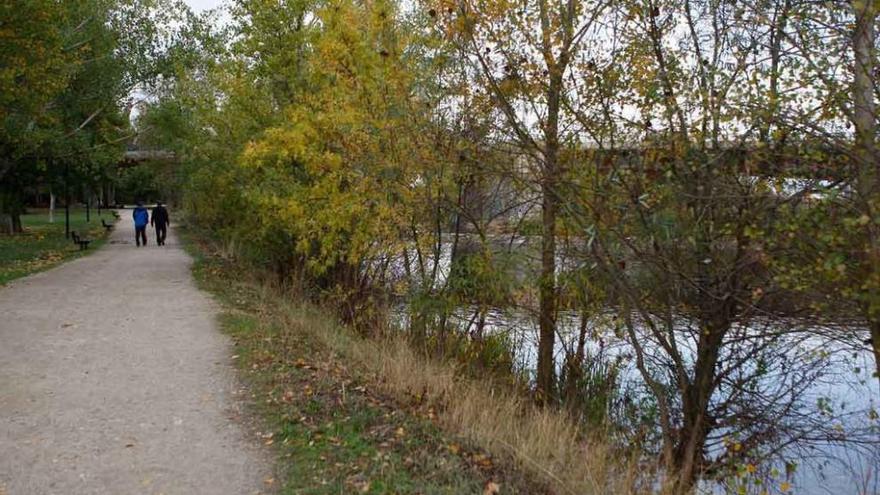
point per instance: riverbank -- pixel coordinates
(350, 414)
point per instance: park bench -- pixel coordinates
(79, 241)
(107, 226)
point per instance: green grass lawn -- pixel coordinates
(43, 245)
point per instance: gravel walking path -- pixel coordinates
(115, 380)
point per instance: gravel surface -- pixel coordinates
(114, 379)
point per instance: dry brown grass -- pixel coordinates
(544, 442)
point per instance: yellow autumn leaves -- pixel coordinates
(338, 174)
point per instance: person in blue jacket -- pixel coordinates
(141, 218)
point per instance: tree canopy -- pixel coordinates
(72, 72)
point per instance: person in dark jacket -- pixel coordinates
(161, 222)
(141, 217)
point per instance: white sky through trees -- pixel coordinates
(200, 5)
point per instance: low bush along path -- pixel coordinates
(114, 379)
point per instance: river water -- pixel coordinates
(840, 382)
(834, 387)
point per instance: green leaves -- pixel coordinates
(33, 71)
(337, 174)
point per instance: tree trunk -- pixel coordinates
(546, 378)
(777, 33)
(875, 344)
(10, 223)
(696, 422)
(51, 207)
(5, 223)
(547, 303)
(574, 366)
(10, 213)
(864, 121)
(864, 113)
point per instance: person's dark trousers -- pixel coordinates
(161, 231)
(140, 233)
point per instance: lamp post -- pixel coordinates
(67, 200)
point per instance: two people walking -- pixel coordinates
(159, 220)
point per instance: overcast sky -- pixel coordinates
(200, 5)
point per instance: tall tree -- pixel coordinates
(71, 68)
(864, 118)
(679, 219)
(524, 55)
(35, 64)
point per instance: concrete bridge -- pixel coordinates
(133, 157)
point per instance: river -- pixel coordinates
(836, 403)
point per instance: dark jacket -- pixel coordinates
(160, 217)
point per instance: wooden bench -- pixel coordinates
(107, 226)
(79, 241)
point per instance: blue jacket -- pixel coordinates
(141, 216)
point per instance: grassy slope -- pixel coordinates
(335, 432)
(43, 245)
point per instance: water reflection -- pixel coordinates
(833, 383)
